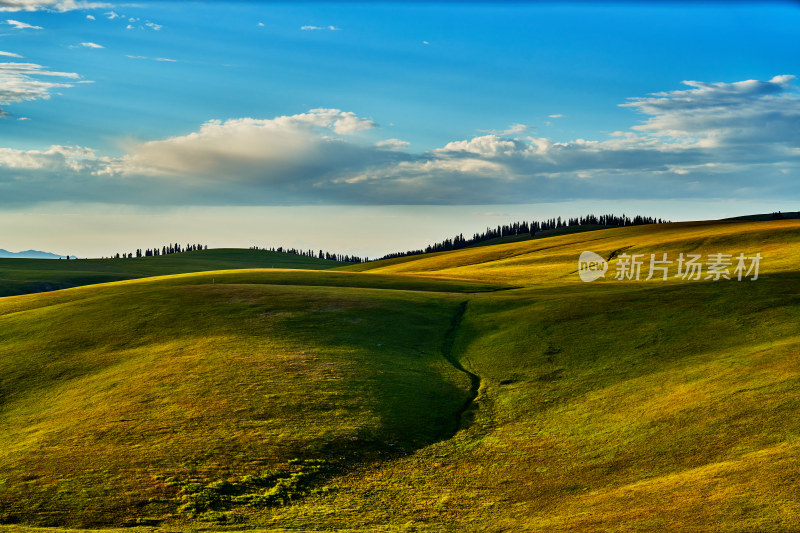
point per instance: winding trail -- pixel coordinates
(447, 352)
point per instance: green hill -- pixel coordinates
(24, 276)
(486, 389)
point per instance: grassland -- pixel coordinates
(318, 401)
(24, 276)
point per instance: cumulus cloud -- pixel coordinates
(49, 5)
(91, 45)
(153, 25)
(22, 25)
(253, 149)
(90, 17)
(56, 158)
(9, 54)
(710, 140)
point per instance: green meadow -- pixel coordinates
(23, 276)
(484, 389)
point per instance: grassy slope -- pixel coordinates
(553, 261)
(24, 276)
(108, 391)
(621, 406)
(611, 406)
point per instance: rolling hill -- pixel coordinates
(486, 389)
(24, 276)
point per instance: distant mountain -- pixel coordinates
(31, 254)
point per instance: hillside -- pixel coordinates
(554, 260)
(24, 276)
(487, 389)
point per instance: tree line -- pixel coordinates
(523, 228)
(176, 248)
(319, 255)
(529, 228)
(167, 249)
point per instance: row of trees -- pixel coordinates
(457, 242)
(529, 228)
(174, 248)
(319, 255)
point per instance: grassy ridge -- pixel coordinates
(610, 406)
(24, 276)
(554, 261)
(107, 392)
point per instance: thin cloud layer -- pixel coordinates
(712, 140)
(49, 5)
(725, 114)
(22, 25)
(19, 82)
(319, 28)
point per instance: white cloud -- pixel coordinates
(712, 140)
(91, 45)
(515, 129)
(23, 118)
(9, 54)
(392, 144)
(49, 5)
(250, 147)
(162, 59)
(318, 28)
(558, 115)
(56, 158)
(724, 114)
(153, 25)
(260, 24)
(90, 17)
(22, 25)
(485, 146)
(18, 82)
(111, 15)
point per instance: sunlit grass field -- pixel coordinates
(302, 401)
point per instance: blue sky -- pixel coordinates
(145, 114)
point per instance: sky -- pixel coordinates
(368, 128)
